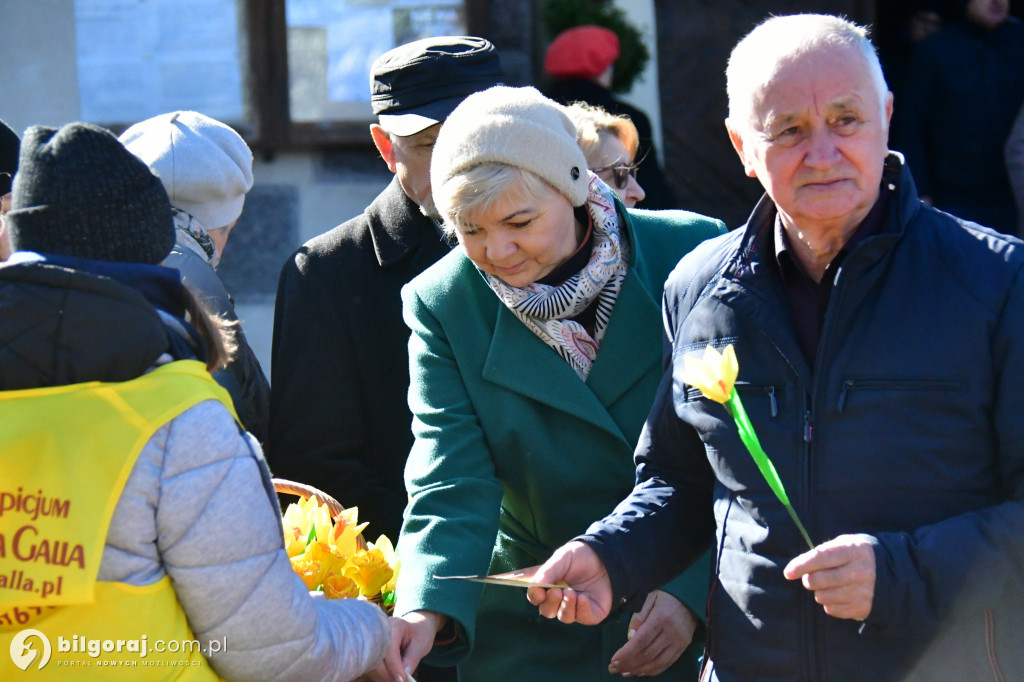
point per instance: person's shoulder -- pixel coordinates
(390, 219)
(982, 258)
(676, 222)
(335, 253)
(204, 434)
(663, 237)
(444, 279)
(198, 275)
(704, 262)
(349, 235)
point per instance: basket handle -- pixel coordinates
(306, 491)
(334, 508)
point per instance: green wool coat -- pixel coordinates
(515, 455)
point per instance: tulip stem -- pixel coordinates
(735, 407)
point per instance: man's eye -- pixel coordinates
(786, 135)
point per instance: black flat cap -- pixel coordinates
(418, 84)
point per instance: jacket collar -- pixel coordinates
(750, 280)
(398, 229)
(758, 239)
(519, 361)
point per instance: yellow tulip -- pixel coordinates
(714, 374)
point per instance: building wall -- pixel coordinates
(302, 193)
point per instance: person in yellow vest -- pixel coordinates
(140, 537)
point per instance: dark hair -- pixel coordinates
(218, 335)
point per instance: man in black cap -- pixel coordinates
(339, 417)
(9, 146)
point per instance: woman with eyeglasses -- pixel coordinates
(535, 354)
(609, 142)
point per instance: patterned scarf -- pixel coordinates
(546, 310)
(200, 242)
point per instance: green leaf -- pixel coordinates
(312, 534)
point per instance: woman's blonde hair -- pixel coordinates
(474, 190)
(593, 124)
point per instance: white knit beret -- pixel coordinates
(513, 126)
(205, 166)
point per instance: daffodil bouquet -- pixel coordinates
(331, 556)
(714, 374)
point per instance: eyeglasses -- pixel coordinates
(620, 174)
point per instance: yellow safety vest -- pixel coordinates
(67, 452)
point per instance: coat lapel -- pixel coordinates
(519, 361)
(398, 229)
(621, 362)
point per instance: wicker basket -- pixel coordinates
(334, 508)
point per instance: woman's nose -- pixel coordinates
(634, 192)
(500, 246)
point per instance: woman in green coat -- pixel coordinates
(535, 354)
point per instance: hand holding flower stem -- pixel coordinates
(715, 375)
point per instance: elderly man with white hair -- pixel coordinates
(880, 347)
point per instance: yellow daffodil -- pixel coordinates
(304, 522)
(339, 586)
(296, 530)
(311, 567)
(343, 538)
(319, 518)
(328, 555)
(714, 374)
(385, 546)
(369, 570)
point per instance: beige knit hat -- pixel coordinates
(517, 127)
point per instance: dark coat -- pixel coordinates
(42, 344)
(909, 428)
(339, 414)
(515, 455)
(243, 378)
(963, 88)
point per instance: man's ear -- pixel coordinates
(737, 143)
(382, 140)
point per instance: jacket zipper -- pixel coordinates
(887, 384)
(768, 391)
